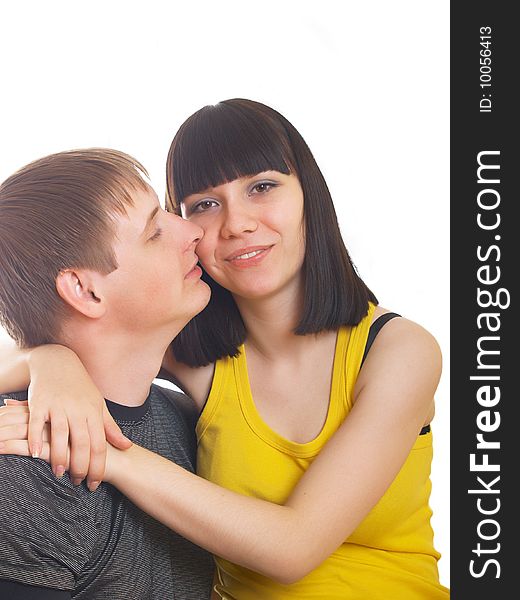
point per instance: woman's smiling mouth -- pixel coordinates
(245, 257)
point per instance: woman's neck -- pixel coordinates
(270, 323)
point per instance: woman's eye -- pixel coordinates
(202, 206)
(263, 187)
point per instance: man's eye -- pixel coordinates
(156, 235)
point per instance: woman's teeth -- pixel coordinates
(248, 255)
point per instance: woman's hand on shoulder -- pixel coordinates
(62, 393)
(14, 425)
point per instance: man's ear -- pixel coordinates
(78, 288)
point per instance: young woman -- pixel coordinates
(314, 434)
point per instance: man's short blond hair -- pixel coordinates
(58, 213)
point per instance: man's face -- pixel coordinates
(157, 282)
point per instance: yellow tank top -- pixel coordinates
(390, 556)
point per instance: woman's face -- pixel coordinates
(253, 242)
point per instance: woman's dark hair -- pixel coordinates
(238, 138)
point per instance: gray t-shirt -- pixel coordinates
(98, 544)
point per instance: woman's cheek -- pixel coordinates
(207, 264)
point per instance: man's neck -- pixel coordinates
(122, 367)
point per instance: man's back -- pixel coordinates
(98, 544)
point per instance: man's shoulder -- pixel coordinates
(26, 477)
(14, 395)
(45, 525)
(177, 403)
(19, 473)
(174, 419)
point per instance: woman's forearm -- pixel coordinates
(14, 367)
(17, 365)
(256, 534)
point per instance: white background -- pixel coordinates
(366, 83)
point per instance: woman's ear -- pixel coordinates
(77, 287)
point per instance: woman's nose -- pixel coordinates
(238, 221)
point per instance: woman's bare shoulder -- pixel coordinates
(403, 351)
(404, 329)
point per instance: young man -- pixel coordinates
(90, 261)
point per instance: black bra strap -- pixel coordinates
(375, 328)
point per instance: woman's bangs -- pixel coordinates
(220, 151)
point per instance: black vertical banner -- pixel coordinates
(485, 257)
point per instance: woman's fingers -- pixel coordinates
(98, 452)
(59, 443)
(36, 425)
(13, 432)
(78, 443)
(36, 430)
(98, 429)
(113, 433)
(13, 422)
(79, 454)
(21, 448)
(9, 415)
(13, 402)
